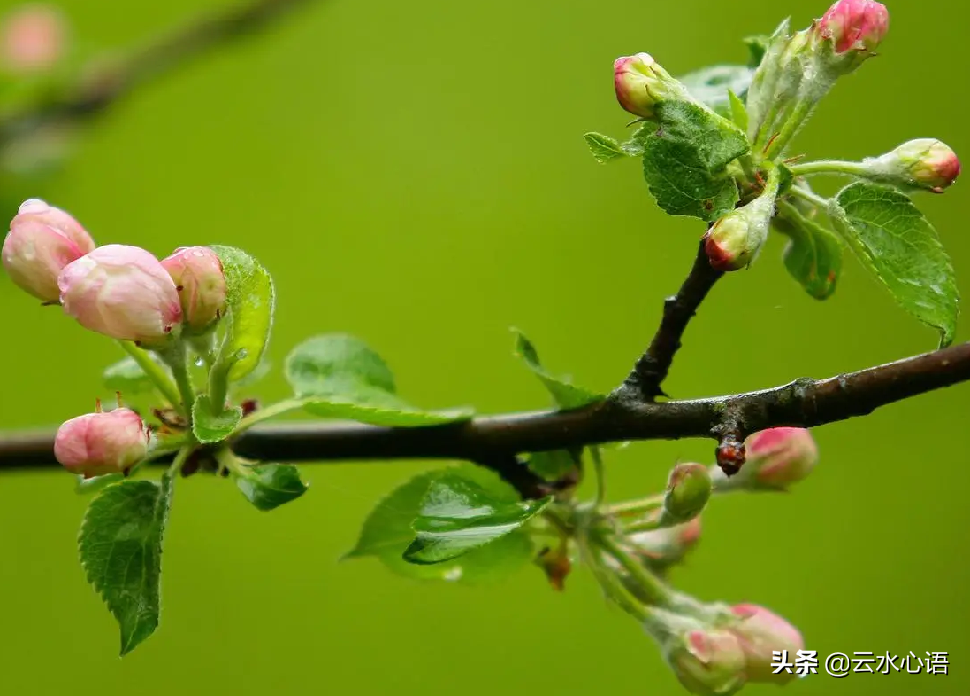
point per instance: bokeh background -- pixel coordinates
(415, 174)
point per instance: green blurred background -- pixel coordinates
(415, 174)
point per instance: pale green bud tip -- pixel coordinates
(761, 634)
(855, 25)
(641, 84)
(779, 457)
(707, 661)
(927, 163)
(688, 490)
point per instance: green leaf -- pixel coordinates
(684, 160)
(339, 376)
(387, 533)
(121, 550)
(210, 427)
(891, 237)
(127, 377)
(739, 115)
(757, 46)
(552, 465)
(459, 515)
(603, 147)
(251, 299)
(566, 395)
(813, 255)
(267, 486)
(711, 85)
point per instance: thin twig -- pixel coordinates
(491, 439)
(105, 84)
(651, 369)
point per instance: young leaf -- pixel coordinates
(339, 376)
(738, 114)
(684, 160)
(387, 533)
(566, 395)
(552, 465)
(603, 147)
(813, 255)
(210, 427)
(121, 551)
(711, 85)
(757, 46)
(459, 515)
(127, 377)
(891, 237)
(251, 299)
(267, 486)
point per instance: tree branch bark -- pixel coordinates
(651, 369)
(805, 403)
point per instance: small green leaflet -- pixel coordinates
(339, 376)
(606, 149)
(459, 515)
(127, 377)
(120, 546)
(267, 486)
(891, 237)
(387, 533)
(210, 427)
(813, 255)
(566, 395)
(251, 300)
(757, 46)
(711, 85)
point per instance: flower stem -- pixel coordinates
(635, 507)
(154, 371)
(177, 359)
(654, 588)
(789, 129)
(805, 195)
(841, 167)
(264, 414)
(600, 474)
(181, 458)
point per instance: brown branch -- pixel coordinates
(106, 83)
(651, 369)
(489, 439)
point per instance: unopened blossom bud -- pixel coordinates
(707, 661)
(122, 292)
(102, 443)
(776, 458)
(659, 549)
(855, 25)
(760, 633)
(734, 241)
(641, 84)
(924, 163)
(41, 242)
(31, 39)
(688, 490)
(201, 284)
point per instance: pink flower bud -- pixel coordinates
(735, 240)
(122, 292)
(707, 661)
(778, 457)
(201, 284)
(659, 549)
(641, 84)
(42, 241)
(760, 633)
(923, 163)
(32, 39)
(855, 25)
(102, 443)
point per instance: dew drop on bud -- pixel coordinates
(199, 362)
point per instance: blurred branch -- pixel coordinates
(108, 82)
(803, 403)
